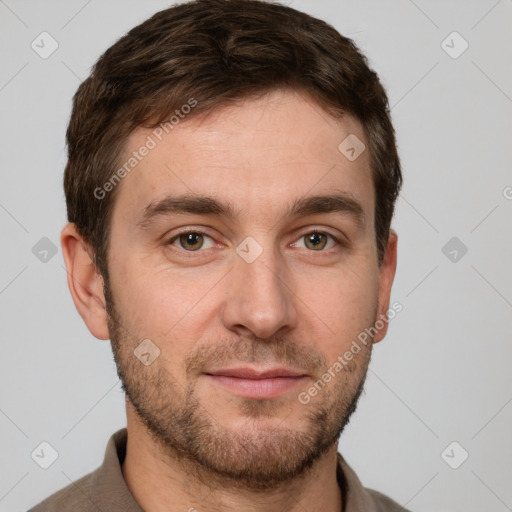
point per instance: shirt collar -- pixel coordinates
(354, 496)
(108, 481)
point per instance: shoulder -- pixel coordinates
(359, 498)
(73, 497)
(384, 503)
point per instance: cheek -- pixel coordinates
(163, 304)
(341, 304)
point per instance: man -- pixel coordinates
(231, 181)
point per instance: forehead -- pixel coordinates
(256, 154)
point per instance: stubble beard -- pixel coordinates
(261, 457)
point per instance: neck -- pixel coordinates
(160, 481)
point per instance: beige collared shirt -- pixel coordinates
(104, 490)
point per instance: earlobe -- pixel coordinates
(386, 277)
(85, 282)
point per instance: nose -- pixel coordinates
(260, 297)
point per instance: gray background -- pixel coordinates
(443, 372)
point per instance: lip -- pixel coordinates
(257, 384)
(246, 372)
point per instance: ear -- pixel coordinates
(386, 277)
(85, 282)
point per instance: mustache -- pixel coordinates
(277, 350)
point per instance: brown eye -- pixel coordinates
(316, 241)
(190, 241)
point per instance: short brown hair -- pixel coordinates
(217, 51)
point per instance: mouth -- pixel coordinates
(257, 384)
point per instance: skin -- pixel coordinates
(297, 304)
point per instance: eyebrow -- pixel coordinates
(340, 202)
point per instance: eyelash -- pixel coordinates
(339, 243)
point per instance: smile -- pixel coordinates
(251, 383)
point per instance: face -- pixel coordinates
(243, 253)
